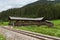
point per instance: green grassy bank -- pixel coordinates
(53, 31)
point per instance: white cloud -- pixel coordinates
(6, 4)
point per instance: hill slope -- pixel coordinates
(49, 10)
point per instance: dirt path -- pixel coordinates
(12, 34)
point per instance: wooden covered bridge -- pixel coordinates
(18, 21)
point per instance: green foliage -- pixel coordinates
(53, 31)
(37, 9)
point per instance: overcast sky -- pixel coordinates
(7, 4)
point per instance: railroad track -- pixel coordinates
(31, 34)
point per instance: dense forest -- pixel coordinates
(49, 10)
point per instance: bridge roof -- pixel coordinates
(20, 18)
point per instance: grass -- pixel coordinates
(2, 37)
(4, 23)
(53, 31)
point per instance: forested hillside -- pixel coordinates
(49, 10)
